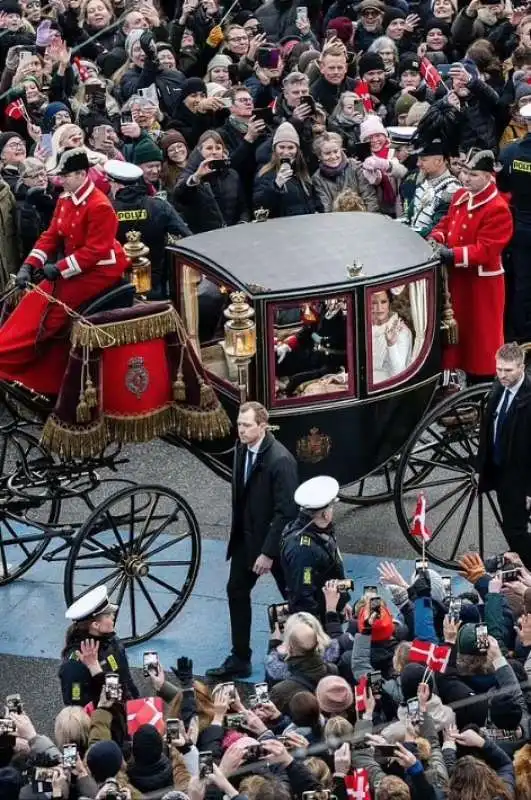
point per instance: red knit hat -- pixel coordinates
(343, 28)
(383, 627)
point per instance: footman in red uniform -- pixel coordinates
(34, 341)
(474, 233)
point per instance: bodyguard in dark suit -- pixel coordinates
(504, 457)
(264, 480)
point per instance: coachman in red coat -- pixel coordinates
(474, 233)
(34, 342)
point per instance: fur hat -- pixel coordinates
(334, 695)
(104, 760)
(371, 125)
(370, 61)
(192, 86)
(286, 133)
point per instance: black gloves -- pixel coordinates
(446, 254)
(147, 43)
(421, 586)
(184, 672)
(51, 272)
(23, 276)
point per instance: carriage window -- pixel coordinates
(203, 302)
(312, 354)
(398, 323)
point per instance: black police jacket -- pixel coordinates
(76, 680)
(310, 557)
(153, 217)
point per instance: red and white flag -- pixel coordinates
(418, 525)
(359, 694)
(430, 74)
(357, 785)
(434, 656)
(364, 93)
(16, 110)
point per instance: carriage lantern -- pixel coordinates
(240, 338)
(140, 272)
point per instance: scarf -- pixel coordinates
(238, 124)
(387, 188)
(333, 172)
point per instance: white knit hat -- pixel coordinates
(219, 60)
(370, 126)
(286, 133)
(132, 39)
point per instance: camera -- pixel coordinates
(69, 756)
(510, 575)
(261, 692)
(151, 663)
(229, 689)
(420, 564)
(173, 730)
(14, 704)
(384, 752)
(126, 117)
(206, 764)
(113, 690)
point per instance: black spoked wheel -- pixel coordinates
(445, 443)
(26, 506)
(144, 544)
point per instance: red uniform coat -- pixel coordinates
(84, 228)
(477, 228)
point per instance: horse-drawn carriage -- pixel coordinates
(331, 321)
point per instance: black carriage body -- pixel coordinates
(312, 261)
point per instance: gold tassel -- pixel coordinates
(201, 425)
(179, 388)
(207, 397)
(82, 409)
(91, 396)
(68, 441)
(140, 428)
(129, 331)
(449, 325)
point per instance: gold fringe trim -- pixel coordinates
(192, 423)
(140, 428)
(69, 441)
(129, 331)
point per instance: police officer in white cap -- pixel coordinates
(153, 217)
(92, 649)
(309, 554)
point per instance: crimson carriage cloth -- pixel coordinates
(34, 340)
(477, 228)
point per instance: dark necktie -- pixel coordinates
(248, 466)
(502, 413)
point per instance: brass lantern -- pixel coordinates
(139, 274)
(240, 338)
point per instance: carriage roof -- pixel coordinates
(308, 252)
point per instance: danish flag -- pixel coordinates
(434, 656)
(363, 92)
(359, 694)
(16, 109)
(418, 526)
(357, 785)
(430, 74)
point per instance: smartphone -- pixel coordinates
(235, 721)
(24, 56)
(500, 562)
(454, 609)
(413, 711)
(375, 605)
(173, 729)
(317, 794)
(42, 779)
(370, 591)
(261, 692)
(447, 583)
(219, 163)
(113, 690)
(375, 681)
(302, 14)
(384, 751)
(206, 764)
(151, 660)
(482, 638)
(14, 704)
(234, 74)
(308, 100)
(253, 753)
(510, 575)
(345, 585)
(362, 150)
(8, 727)
(278, 614)
(230, 689)
(266, 114)
(420, 564)
(268, 57)
(69, 756)
(126, 117)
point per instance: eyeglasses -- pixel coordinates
(245, 100)
(34, 176)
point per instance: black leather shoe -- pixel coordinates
(232, 667)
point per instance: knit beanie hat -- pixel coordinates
(146, 150)
(383, 627)
(437, 24)
(469, 612)
(104, 760)
(132, 39)
(192, 86)
(286, 133)
(10, 7)
(522, 89)
(6, 137)
(370, 61)
(165, 46)
(409, 62)
(334, 695)
(219, 60)
(466, 640)
(343, 28)
(171, 137)
(371, 125)
(416, 112)
(52, 109)
(391, 14)
(404, 103)
(147, 745)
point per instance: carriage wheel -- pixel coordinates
(23, 517)
(447, 440)
(143, 543)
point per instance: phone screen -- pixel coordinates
(70, 755)
(206, 764)
(261, 691)
(151, 659)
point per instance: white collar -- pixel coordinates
(514, 389)
(256, 447)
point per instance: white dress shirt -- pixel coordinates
(513, 390)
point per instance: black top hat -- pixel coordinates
(434, 148)
(480, 159)
(72, 159)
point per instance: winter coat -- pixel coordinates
(167, 81)
(278, 17)
(480, 112)
(9, 252)
(34, 213)
(467, 29)
(216, 202)
(352, 177)
(289, 201)
(100, 731)
(350, 131)
(193, 125)
(327, 94)
(150, 777)
(305, 673)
